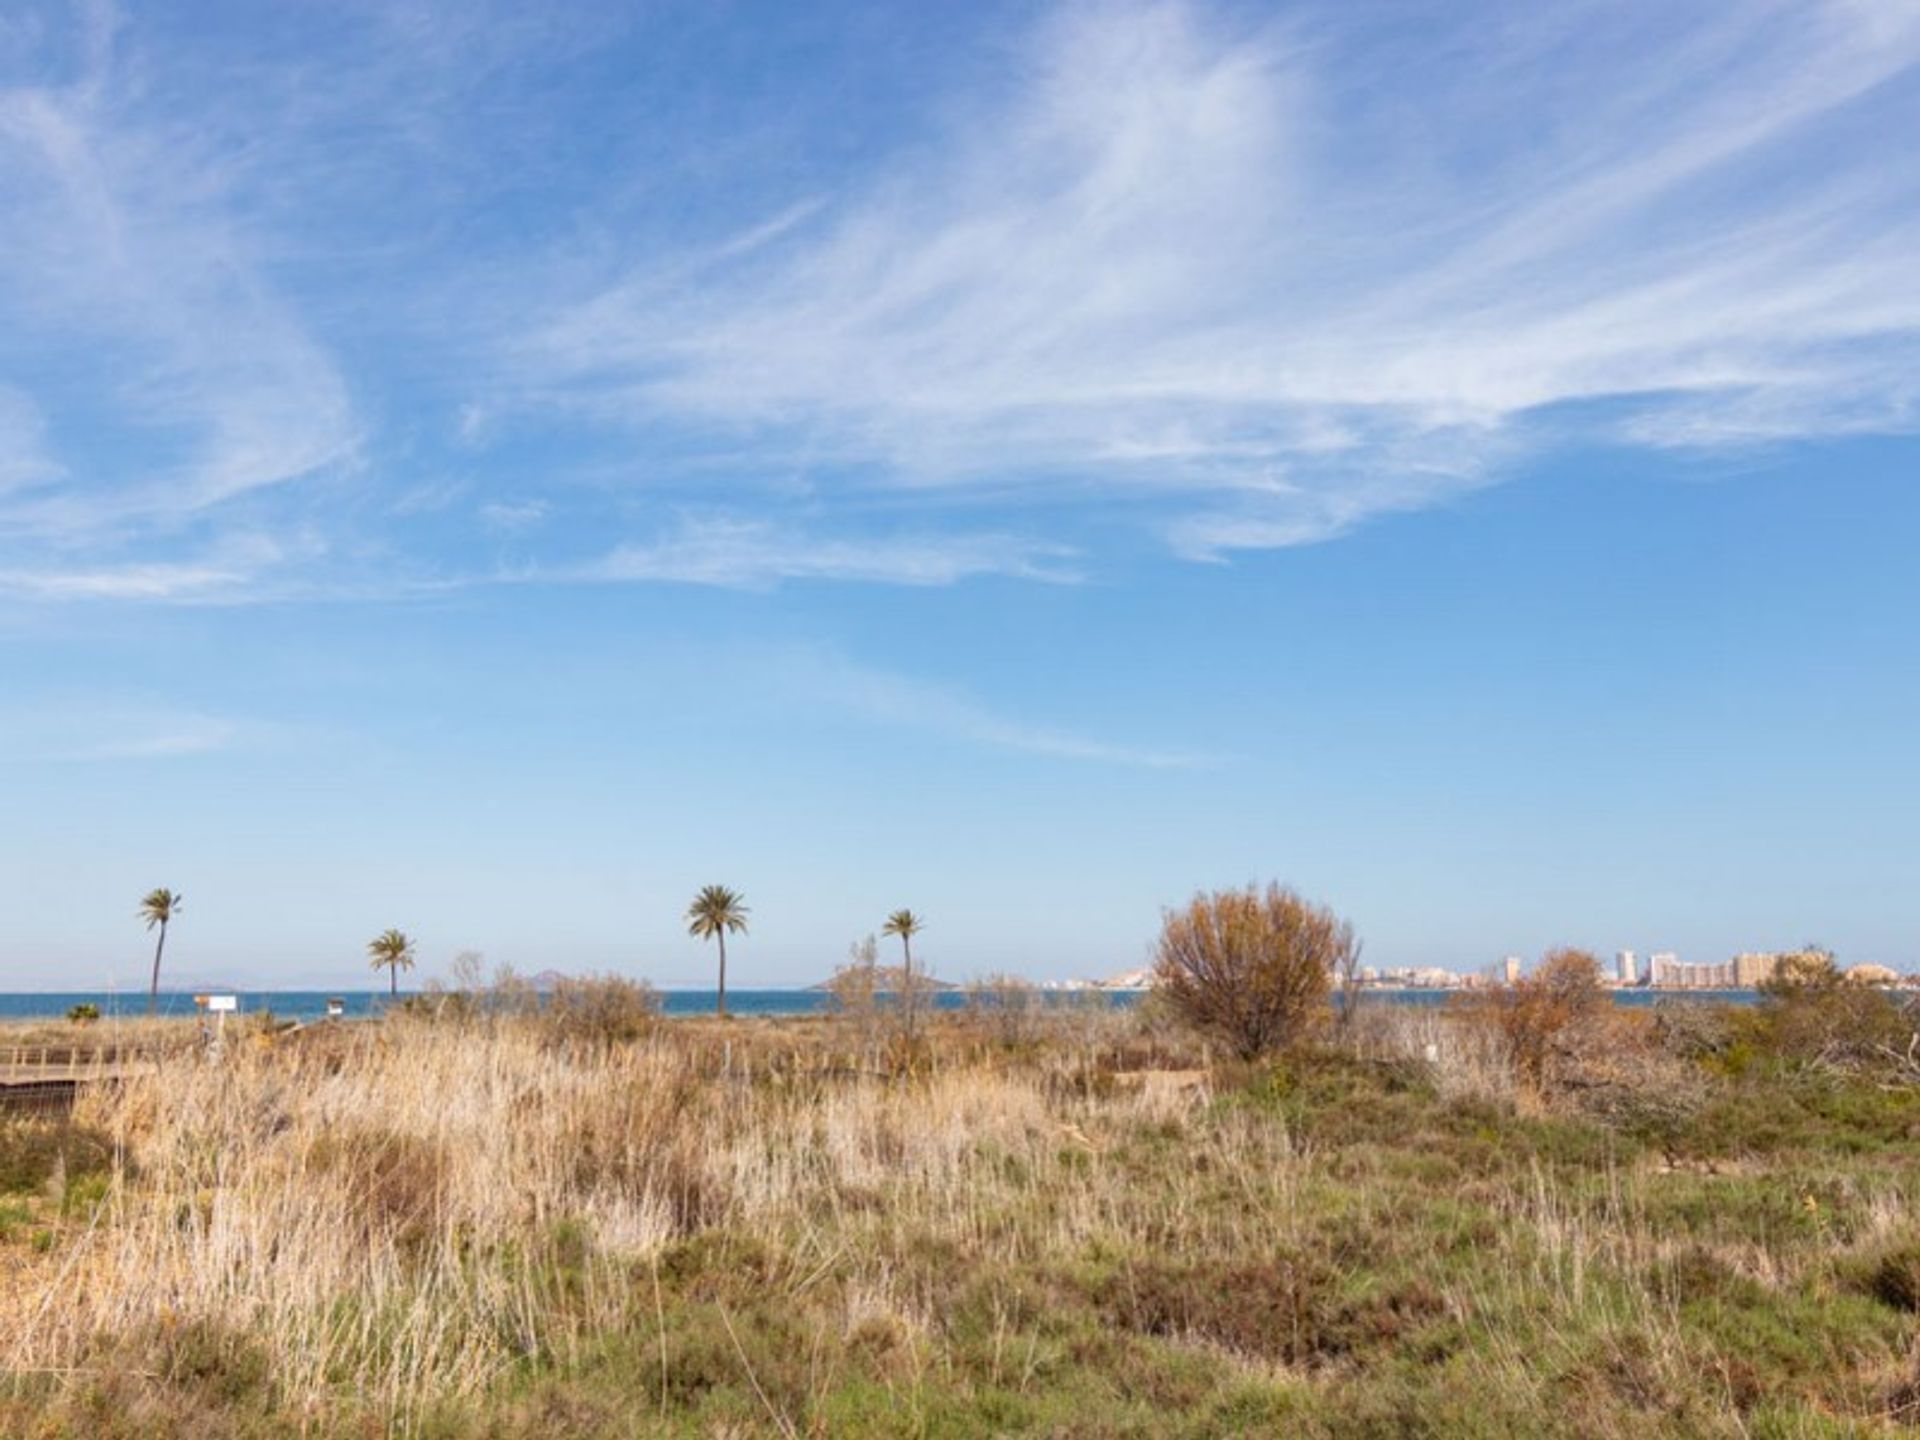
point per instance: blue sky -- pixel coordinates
(492, 472)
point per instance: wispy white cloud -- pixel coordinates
(24, 458)
(104, 731)
(236, 568)
(124, 237)
(1283, 280)
(826, 679)
(753, 554)
(124, 582)
(513, 514)
(1239, 280)
(757, 237)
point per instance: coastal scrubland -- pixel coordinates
(1531, 1217)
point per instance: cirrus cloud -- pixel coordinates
(1273, 282)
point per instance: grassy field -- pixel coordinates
(1068, 1224)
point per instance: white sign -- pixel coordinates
(218, 1002)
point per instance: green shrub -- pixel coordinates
(203, 1357)
(1896, 1279)
(33, 1151)
(13, 1215)
(1812, 1016)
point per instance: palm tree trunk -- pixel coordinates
(153, 989)
(393, 981)
(911, 999)
(721, 935)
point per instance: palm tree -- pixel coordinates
(391, 951)
(159, 907)
(906, 925)
(715, 911)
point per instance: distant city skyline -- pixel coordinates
(492, 472)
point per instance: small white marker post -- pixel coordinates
(221, 1005)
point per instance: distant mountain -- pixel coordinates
(190, 985)
(887, 978)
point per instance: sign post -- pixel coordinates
(221, 1005)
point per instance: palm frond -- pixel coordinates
(714, 909)
(157, 907)
(390, 948)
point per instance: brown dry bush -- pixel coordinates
(1692, 1030)
(1292, 1309)
(854, 993)
(1252, 967)
(1007, 1008)
(392, 1185)
(1566, 1043)
(884, 1009)
(1546, 1016)
(1617, 1072)
(596, 1012)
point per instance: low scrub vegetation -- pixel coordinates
(1534, 1217)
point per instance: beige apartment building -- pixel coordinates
(1754, 968)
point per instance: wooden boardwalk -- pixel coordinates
(41, 1079)
(75, 1062)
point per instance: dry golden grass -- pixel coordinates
(490, 1225)
(345, 1197)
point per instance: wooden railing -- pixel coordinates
(74, 1057)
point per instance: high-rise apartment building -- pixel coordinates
(1627, 968)
(1754, 969)
(1667, 973)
